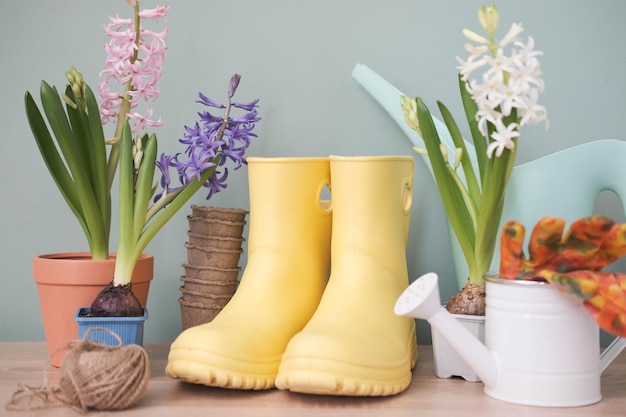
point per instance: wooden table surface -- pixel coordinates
(25, 362)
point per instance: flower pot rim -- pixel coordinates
(79, 256)
(81, 319)
(218, 221)
(222, 209)
(66, 268)
(199, 305)
(210, 296)
(210, 268)
(469, 317)
(495, 279)
(215, 250)
(208, 281)
(193, 234)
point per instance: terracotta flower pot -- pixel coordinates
(68, 281)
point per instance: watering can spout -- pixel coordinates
(421, 300)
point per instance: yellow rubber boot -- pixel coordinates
(281, 286)
(355, 344)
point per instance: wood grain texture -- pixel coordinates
(25, 362)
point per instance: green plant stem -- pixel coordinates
(143, 185)
(126, 193)
(467, 198)
(125, 272)
(495, 183)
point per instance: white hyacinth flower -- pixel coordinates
(502, 138)
(503, 83)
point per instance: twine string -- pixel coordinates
(93, 375)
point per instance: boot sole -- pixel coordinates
(332, 377)
(341, 383)
(191, 368)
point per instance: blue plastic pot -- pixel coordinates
(129, 329)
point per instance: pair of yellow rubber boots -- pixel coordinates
(291, 326)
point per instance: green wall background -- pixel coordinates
(296, 57)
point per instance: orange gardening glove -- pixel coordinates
(572, 263)
(602, 293)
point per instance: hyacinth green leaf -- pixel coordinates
(179, 200)
(82, 144)
(63, 133)
(53, 159)
(68, 167)
(466, 164)
(98, 156)
(81, 134)
(471, 108)
(496, 178)
(126, 221)
(144, 188)
(67, 141)
(454, 205)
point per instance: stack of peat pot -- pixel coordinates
(212, 267)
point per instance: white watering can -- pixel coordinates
(541, 348)
(564, 184)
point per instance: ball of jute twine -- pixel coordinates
(92, 376)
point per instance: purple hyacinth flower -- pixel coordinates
(215, 183)
(234, 83)
(164, 166)
(211, 139)
(246, 106)
(209, 102)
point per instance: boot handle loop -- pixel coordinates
(325, 205)
(407, 194)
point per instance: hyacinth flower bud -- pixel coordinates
(234, 83)
(444, 151)
(69, 75)
(137, 152)
(420, 151)
(474, 37)
(489, 18)
(458, 156)
(409, 108)
(77, 84)
(76, 81)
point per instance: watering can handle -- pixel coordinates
(611, 352)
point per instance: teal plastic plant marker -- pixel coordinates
(564, 184)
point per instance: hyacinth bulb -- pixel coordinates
(116, 301)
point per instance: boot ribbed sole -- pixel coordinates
(189, 366)
(331, 377)
(341, 382)
(308, 382)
